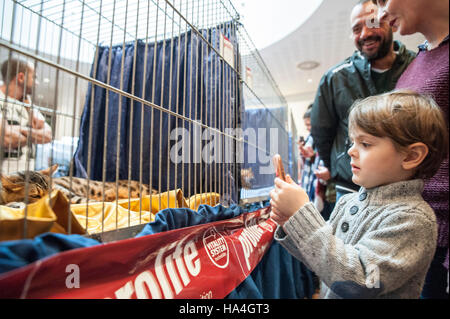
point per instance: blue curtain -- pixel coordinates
(212, 99)
(276, 140)
(293, 161)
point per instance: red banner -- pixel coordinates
(204, 261)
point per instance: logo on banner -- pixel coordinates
(217, 248)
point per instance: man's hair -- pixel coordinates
(12, 67)
(307, 114)
(406, 117)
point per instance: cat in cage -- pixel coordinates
(78, 190)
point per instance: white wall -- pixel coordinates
(297, 106)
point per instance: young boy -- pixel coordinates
(380, 241)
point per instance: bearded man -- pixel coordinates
(374, 68)
(21, 126)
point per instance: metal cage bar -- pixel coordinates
(187, 75)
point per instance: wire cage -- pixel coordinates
(143, 105)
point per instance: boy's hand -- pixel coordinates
(286, 199)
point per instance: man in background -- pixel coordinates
(374, 68)
(20, 125)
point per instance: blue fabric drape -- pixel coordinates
(19, 253)
(203, 88)
(293, 161)
(271, 135)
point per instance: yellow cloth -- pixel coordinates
(42, 216)
(45, 215)
(211, 199)
(116, 214)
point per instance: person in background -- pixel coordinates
(325, 189)
(313, 180)
(428, 74)
(308, 156)
(374, 68)
(315, 177)
(379, 242)
(20, 126)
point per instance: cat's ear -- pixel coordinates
(49, 171)
(10, 186)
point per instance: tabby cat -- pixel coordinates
(12, 188)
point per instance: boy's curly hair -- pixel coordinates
(406, 117)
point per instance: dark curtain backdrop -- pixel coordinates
(278, 143)
(215, 101)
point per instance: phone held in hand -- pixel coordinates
(279, 168)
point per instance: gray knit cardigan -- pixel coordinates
(378, 243)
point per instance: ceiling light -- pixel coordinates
(308, 65)
(309, 80)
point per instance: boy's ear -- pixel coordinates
(415, 154)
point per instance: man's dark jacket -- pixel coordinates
(342, 85)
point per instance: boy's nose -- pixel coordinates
(351, 151)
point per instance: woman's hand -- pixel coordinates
(286, 199)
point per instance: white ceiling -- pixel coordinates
(268, 21)
(325, 38)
